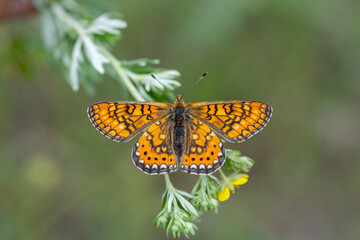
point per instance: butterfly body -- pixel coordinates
(179, 134)
(179, 117)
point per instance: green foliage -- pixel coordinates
(235, 162)
(177, 212)
(205, 193)
(139, 72)
(82, 45)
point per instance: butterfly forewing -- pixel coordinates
(204, 153)
(236, 121)
(120, 121)
(153, 152)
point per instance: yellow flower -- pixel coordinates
(229, 185)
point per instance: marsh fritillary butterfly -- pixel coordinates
(179, 133)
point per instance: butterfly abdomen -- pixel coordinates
(179, 131)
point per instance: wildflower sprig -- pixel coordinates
(177, 212)
(150, 89)
(205, 193)
(235, 162)
(235, 166)
(228, 183)
(82, 44)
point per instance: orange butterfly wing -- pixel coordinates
(236, 121)
(120, 121)
(153, 152)
(204, 153)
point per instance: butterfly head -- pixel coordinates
(179, 98)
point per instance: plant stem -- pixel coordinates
(168, 182)
(120, 71)
(223, 176)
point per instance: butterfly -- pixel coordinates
(179, 133)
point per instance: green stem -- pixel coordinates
(120, 71)
(226, 180)
(168, 182)
(223, 176)
(171, 190)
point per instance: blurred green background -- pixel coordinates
(61, 179)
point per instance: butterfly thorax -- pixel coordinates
(179, 117)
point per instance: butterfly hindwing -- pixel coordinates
(120, 121)
(236, 121)
(153, 152)
(204, 153)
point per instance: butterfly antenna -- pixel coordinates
(196, 82)
(152, 75)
